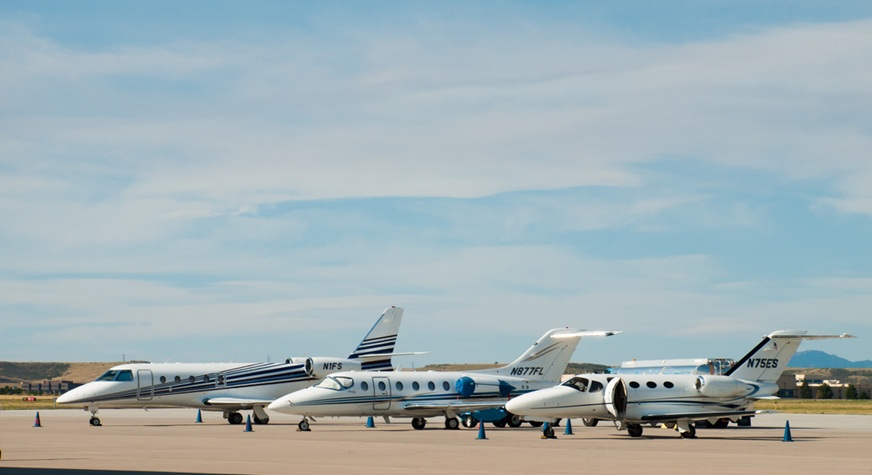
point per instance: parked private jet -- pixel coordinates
(230, 387)
(435, 393)
(674, 399)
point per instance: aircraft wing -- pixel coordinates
(236, 402)
(695, 415)
(459, 406)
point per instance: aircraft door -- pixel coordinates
(615, 398)
(144, 385)
(381, 393)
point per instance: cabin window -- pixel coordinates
(668, 384)
(192, 379)
(399, 386)
(163, 379)
(634, 385)
(445, 385)
(206, 378)
(431, 386)
(595, 386)
(651, 384)
(364, 386)
(382, 386)
(177, 379)
(416, 386)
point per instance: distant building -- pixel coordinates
(47, 386)
(789, 384)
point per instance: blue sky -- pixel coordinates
(214, 181)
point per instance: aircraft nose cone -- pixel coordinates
(519, 404)
(279, 405)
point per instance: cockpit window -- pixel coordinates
(337, 383)
(108, 375)
(116, 375)
(579, 384)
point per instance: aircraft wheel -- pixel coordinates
(536, 423)
(452, 423)
(635, 430)
(258, 420)
(234, 418)
(500, 423)
(548, 432)
(418, 423)
(721, 424)
(95, 421)
(469, 422)
(303, 425)
(513, 420)
(690, 434)
(589, 421)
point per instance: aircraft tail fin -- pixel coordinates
(768, 360)
(375, 350)
(546, 360)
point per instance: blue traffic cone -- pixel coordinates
(481, 435)
(787, 437)
(369, 423)
(199, 417)
(568, 430)
(36, 422)
(248, 424)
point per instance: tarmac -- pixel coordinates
(134, 441)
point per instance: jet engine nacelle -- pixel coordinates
(721, 386)
(468, 385)
(321, 367)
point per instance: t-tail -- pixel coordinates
(546, 360)
(768, 360)
(376, 349)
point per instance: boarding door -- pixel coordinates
(144, 385)
(381, 393)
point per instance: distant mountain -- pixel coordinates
(820, 359)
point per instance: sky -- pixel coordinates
(248, 181)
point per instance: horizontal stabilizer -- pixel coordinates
(388, 355)
(584, 333)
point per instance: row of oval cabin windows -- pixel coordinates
(382, 386)
(652, 384)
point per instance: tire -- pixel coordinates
(452, 423)
(500, 423)
(95, 421)
(635, 430)
(234, 418)
(536, 423)
(589, 421)
(690, 434)
(418, 423)
(303, 425)
(513, 421)
(469, 422)
(258, 420)
(548, 432)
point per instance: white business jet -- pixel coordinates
(435, 393)
(229, 387)
(674, 399)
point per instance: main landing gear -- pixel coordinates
(233, 417)
(418, 423)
